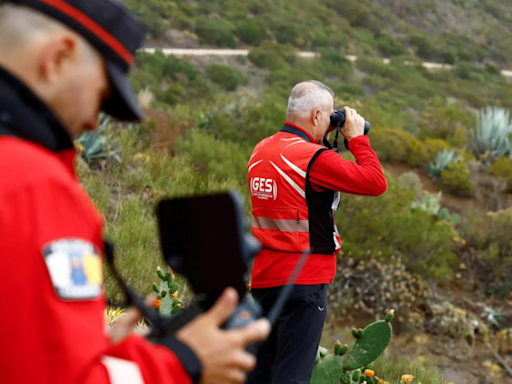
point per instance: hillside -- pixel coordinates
(435, 247)
(436, 30)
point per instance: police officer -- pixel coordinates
(61, 61)
(295, 183)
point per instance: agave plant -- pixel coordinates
(441, 162)
(430, 203)
(492, 134)
(94, 145)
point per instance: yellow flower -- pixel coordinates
(407, 378)
(369, 373)
(175, 295)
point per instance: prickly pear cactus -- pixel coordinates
(167, 301)
(355, 368)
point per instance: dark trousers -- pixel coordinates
(288, 356)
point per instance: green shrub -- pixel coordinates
(220, 159)
(428, 151)
(440, 120)
(440, 163)
(153, 64)
(250, 31)
(224, 75)
(456, 178)
(285, 32)
(395, 146)
(459, 138)
(502, 168)
(173, 66)
(389, 46)
(174, 94)
(387, 226)
(372, 65)
(424, 48)
(493, 69)
(215, 31)
(449, 58)
(272, 55)
(411, 180)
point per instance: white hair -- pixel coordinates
(308, 96)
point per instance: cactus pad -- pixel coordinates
(369, 346)
(328, 370)
(346, 378)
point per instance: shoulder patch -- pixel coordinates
(75, 268)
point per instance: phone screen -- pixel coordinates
(201, 239)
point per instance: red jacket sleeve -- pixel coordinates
(331, 171)
(136, 357)
(44, 322)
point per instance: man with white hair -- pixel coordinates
(61, 61)
(295, 183)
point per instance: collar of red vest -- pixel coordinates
(24, 115)
(296, 130)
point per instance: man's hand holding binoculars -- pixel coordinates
(354, 124)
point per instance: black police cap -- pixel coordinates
(111, 28)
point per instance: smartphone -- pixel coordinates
(204, 238)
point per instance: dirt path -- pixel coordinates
(305, 55)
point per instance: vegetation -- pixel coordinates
(348, 366)
(202, 126)
(442, 161)
(387, 28)
(491, 139)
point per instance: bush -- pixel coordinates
(440, 120)
(226, 76)
(428, 151)
(216, 32)
(272, 55)
(449, 58)
(392, 287)
(502, 168)
(389, 46)
(467, 71)
(173, 66)
(250, 31)
(386, 225)
(395, 146)
(440, 163)
(372, 65)
(219, 159)
(174, 94)
(285, 32)
(423, 47)
(456, 178)
(493, 69)
(410, 180)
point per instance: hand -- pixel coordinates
(354, 124)
(222, 352)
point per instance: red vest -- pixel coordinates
(288, 215)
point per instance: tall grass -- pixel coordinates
(126, 194)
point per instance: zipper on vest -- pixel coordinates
(298, 220)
